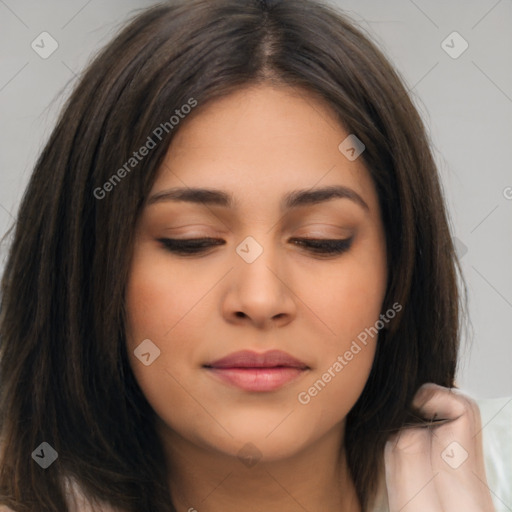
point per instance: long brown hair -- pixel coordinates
(64, 372)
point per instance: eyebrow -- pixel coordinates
(291, 200)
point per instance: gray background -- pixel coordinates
(466, 103)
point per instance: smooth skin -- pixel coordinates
(257, 145)
(230, 449)
(440, 468)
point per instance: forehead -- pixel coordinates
(263, 140)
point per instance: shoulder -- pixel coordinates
(78, 501)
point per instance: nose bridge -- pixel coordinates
(258, 264)
(259, 290)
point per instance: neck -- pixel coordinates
(205, 480)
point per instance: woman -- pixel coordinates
(232, 282)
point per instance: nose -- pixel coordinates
(260, 293)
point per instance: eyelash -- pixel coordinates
(193, 246)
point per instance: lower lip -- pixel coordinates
(257, 379)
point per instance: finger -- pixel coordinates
(410, 480)
(456, 449)
(438, 402)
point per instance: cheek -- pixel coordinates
(151, 307)
(335, 303)
(156, 312)
(351, 308)
(158, 299)
(330, 396)
(346, 298)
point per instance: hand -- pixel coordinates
(439, 468)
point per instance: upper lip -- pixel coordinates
(249, 359)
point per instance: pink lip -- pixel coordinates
(257, 372)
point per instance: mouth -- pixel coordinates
(251, 371)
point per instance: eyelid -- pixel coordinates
(324, 229)
(200, 246)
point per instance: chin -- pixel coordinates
(268, 439)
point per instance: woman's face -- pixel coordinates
(265, 153)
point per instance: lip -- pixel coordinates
(252, 371)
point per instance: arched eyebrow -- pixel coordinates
(291, 200)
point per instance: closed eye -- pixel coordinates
(192, 246)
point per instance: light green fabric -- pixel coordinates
(496, 416)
